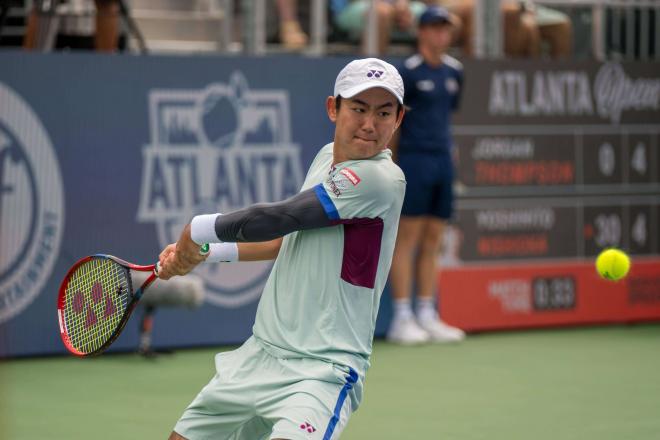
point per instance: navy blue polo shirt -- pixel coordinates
(432, 93)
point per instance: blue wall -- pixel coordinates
(105, 153)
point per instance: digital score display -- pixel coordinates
(543, 231)
(552, 160)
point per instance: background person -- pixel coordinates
(395, 19)
(433, 82)
(527, 27)
(106, 36)
(291, 34)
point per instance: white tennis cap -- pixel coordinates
(361, 75)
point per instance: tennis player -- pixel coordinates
(301, 374)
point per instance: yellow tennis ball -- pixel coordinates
(613, 264)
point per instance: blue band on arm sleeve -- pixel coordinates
(327, 204)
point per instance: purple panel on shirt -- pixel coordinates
(362, 237)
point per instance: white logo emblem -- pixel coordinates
(218, 149)
(616, 92)
(31, 205)
(425, 85)
(451, 85)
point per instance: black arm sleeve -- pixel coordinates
(267, 221)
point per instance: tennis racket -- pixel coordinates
(96, 299)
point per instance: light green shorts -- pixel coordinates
(256, 396)
(352, 19)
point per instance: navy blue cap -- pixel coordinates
(434, 14)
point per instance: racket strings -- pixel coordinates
(97, 295)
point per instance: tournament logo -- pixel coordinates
(31, 205)
(218, 149)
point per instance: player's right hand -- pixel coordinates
(164, 256)
(181, 257)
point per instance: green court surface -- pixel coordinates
(587, 383)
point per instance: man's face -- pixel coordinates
(437, 36)
(364, 123)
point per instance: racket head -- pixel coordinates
(94, 302)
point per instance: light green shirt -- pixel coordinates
(322, 296)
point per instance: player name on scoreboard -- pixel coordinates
(567, 155)
(554, 228)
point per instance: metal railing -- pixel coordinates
(611, 17)
(625, 29)
(255, 26)
(619, 28)
(488, 23)
(628, 29)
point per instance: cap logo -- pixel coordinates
(375, 73)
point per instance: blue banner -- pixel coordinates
(114, 154)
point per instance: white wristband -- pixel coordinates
(222, 252)
(202, 229)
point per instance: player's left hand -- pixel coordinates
(181, 257)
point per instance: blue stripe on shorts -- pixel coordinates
(350, 380)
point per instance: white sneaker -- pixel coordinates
(439, 331)
(407, 332)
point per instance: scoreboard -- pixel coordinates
(555, 162)
(557, 191)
